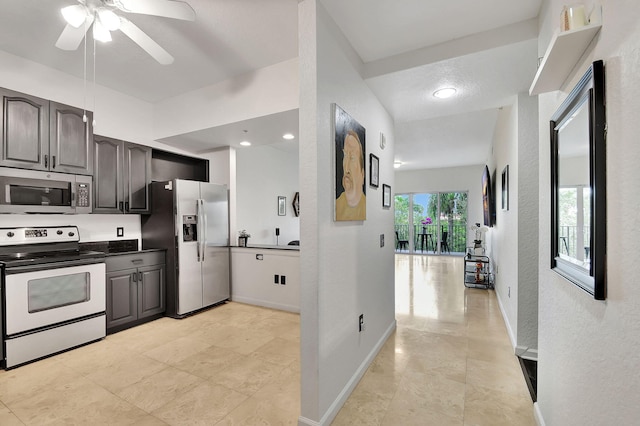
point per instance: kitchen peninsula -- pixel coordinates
(266, 275)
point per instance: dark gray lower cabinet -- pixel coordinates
(135, 289)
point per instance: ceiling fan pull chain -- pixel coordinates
(84, 65)
(94, 83)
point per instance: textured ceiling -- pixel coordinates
(486, 49)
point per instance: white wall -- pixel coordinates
(263, 174)
(590, 350)
(117, 115)
(504, 236)
(514, 238)
(344, 272)
(255, 94)
(450, 179)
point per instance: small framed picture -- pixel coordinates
(282, 206)
(505, 188)
(296, 204)
(386, 196)
(374, 169)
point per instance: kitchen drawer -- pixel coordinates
(134, 260)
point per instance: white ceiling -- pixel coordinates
(486, 49)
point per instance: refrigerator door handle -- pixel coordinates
(204, 228)
(198, 230)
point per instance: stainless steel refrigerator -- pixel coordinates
(190, 220)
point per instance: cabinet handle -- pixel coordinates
(140, 276)
(46, 161)
(126, 206)
(120, 207)
(135, 277)
(53, 161)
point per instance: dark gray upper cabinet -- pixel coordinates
(137, 177)
(70, 140)
(122, 176)
(25, 130)
(42, 135)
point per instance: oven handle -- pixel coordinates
(52, 265)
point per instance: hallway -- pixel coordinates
(449, 362)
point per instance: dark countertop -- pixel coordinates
(269, 247)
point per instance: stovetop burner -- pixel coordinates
(34, 246)
(35, 258)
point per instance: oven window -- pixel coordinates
(54, 292)
(24, 195)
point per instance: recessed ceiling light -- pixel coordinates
(288, 136)
(445, 92)
(245, 143)
(397, 164)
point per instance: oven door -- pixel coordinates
(38, 297)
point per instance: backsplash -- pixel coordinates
(92, 227)
(114, 246)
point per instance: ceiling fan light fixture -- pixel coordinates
(108, 19)
(445, 92)
(74, 15)
(101, 33)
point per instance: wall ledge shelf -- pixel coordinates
(564, 51)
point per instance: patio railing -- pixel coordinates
(568, 242)
(456, 238)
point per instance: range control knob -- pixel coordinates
(71, 234)
(59, 232)
(10, 234)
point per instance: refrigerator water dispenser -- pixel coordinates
(189, 228)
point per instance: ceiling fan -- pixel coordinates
(101, 14)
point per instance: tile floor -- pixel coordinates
(448, 363)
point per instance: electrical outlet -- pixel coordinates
(120, 231)
(361, 323)
(381, 240)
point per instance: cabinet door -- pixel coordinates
(25, 131)
(70, 140)
(137, 177)
(122, 296)
(151, 289)
(107, 178)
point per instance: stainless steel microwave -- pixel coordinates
(32, 191)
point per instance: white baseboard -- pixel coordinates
(266, 304)
(505, 318)
(342, 397)
(537, 414)
(527, 353)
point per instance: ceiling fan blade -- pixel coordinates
(71, 37)
(144, 41)
(166, 8)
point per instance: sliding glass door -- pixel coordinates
(437, 223)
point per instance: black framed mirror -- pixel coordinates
(578, 185)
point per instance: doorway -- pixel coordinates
(431, 223)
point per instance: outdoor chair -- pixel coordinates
(401, 244)
(444, 244)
